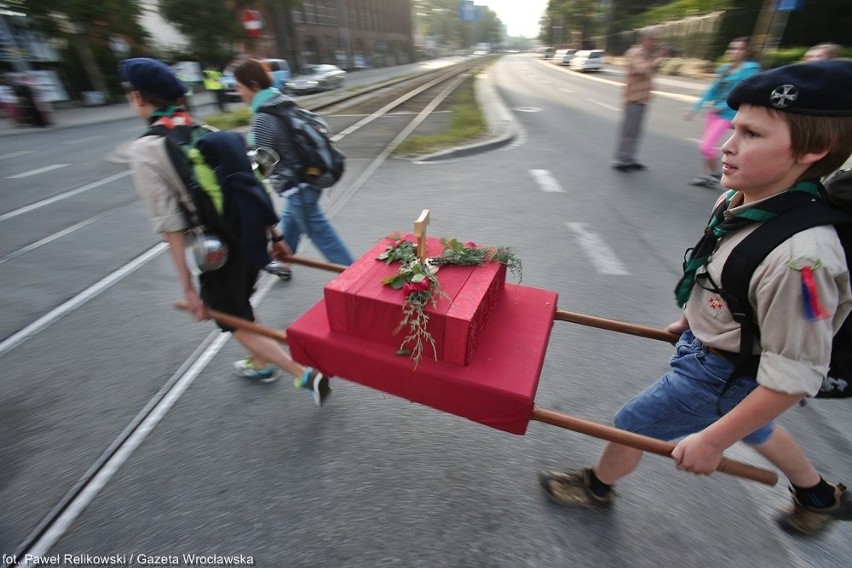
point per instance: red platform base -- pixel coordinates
(496, 389)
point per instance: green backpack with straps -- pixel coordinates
(198, 177)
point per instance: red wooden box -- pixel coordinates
(497, 389)
(358, 304)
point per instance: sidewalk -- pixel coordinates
(66, 116)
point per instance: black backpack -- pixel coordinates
(748, 254)
(198, 177)
(321, 163)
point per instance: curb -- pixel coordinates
(502, 125)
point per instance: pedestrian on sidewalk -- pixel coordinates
(302, 213)
(717, 121)
(8, 101)
(641, 66)
(790, 130)
(822, 52)
(155, 94)
(213, 84)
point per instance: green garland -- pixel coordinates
(420, 285)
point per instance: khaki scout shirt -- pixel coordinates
(158, 184)
(794, 351)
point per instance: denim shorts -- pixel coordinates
(686, 399)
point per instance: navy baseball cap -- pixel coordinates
(152, 77)
(819, 88)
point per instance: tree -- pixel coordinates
(85, 24)
(211, 27)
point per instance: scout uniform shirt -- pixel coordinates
(794, 350)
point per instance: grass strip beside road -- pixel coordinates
(466, 125)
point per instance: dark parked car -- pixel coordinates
(316, 78)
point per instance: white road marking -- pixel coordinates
(83, 140)
(603, 258)
(606, 106)
(546, 182)
(37, 171)
(17, 154)
(54, 236)
(61, 196)
(17, 338)
(147, 420)
(565, 90)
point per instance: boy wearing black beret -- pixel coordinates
(791, 129)
(156, 94)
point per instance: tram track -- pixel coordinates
(429, 92)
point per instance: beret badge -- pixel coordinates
(783, 96)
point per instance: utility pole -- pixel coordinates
(769, 29)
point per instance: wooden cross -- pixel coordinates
(420, 233)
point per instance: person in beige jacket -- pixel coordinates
(641, 66)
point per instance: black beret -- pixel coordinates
(819, 88)
(152, 77)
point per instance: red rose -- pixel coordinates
(411, 287)
(470, 245)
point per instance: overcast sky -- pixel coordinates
(519, 16)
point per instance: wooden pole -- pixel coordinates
(645, 443)
(240, 323)
(330, 266)
(420, 233)
(615, 325)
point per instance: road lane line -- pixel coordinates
(83, 140)
(53, 527)
(55, 236)
(566, 90)
(61, 196)
(602, 257)
(17, 154)
(37, 171)
(606, 106)
(17, 338)
(546, 182)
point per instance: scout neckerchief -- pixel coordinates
(721, 224)
(170, 117)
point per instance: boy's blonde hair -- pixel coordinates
(809, 133)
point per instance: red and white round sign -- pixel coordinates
(253, 23)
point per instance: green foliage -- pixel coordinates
(210, 27)
(230, 120)
(58, 19)
(420, 287)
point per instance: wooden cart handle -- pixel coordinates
(645, 443)
(240, 323)
(615, 325)
(330, 266)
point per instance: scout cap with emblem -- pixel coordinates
(818, 88)
(152, 77)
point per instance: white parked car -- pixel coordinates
(316, 78)
(564, 56)
(587, 60)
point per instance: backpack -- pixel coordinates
(747, 255)
(321, 163)
(206, 200)
(226, 197)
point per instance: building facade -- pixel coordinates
(354, 33)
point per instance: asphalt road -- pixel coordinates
(235, 468)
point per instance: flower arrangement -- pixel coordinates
(420, 286)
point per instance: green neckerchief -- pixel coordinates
(721, 224)
(257, 101)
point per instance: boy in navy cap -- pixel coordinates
(791, 129)
(156, 94)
